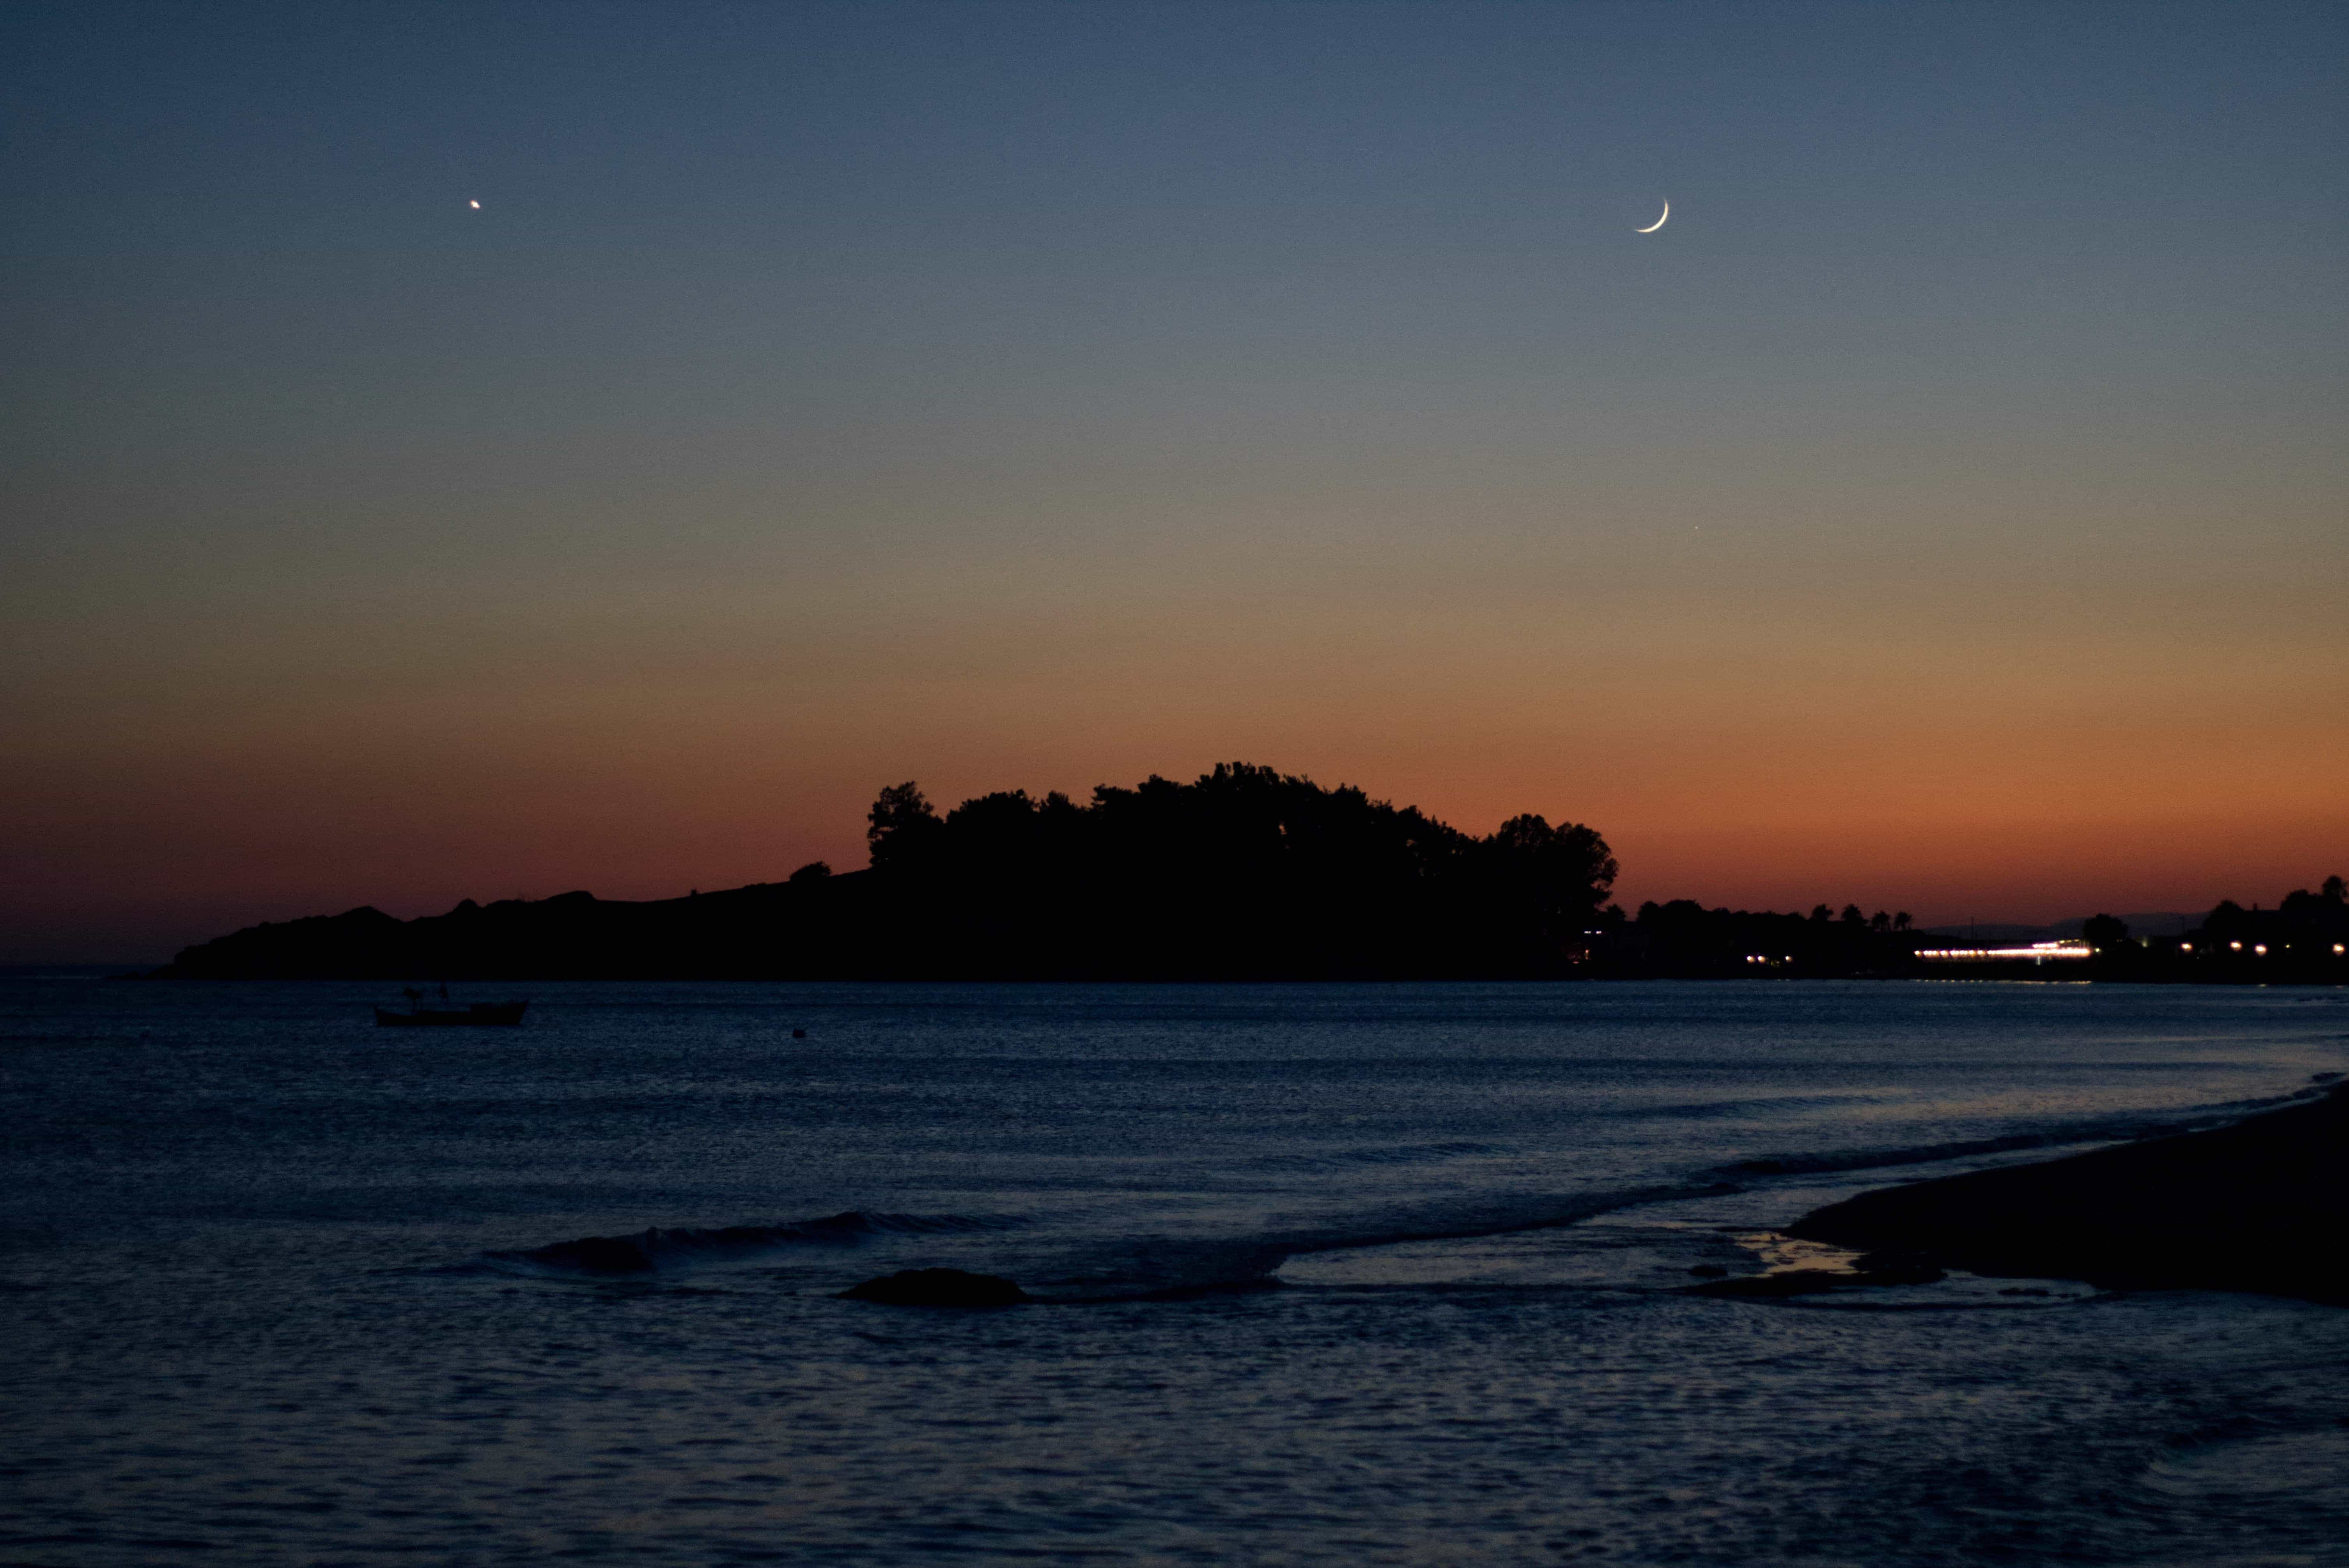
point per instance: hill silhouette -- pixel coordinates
(1244, 873)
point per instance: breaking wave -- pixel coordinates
(662, 1250)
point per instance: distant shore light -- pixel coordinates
(2038, 952)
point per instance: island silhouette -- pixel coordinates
(1244, 873)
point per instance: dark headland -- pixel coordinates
(1245, 873)
(2260, 1205)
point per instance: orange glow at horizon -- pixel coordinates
(1792, 775)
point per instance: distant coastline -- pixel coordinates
(1245, 873)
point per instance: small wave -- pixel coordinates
(2106, 1130)
(1502, 1218)
(658, 1250)
(1164, 1268)
(1881, 1159)
(1185, 1269)
(1727, 1110)
(1379, 1154)
(2306, 1468)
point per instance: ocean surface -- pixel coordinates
(1325, 1275)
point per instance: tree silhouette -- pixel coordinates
(901, 825)
(1243, 871)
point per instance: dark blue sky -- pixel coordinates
(1947, 501)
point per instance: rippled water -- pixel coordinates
(1325, 1275)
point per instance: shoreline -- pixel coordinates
(2257, 1205)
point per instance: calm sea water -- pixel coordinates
(1384, 1275)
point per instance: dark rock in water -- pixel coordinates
(937, 1287)
(1709, 1271)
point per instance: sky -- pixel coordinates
(1946, 510)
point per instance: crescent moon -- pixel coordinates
(1658, 223)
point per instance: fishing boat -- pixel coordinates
(480, 1015)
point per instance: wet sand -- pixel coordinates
(2258, 1205)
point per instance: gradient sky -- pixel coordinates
(1944, 510)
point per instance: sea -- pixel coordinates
(1341, 1273)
